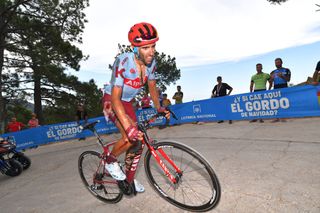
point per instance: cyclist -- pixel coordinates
(129, 73)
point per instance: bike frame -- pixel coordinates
(145, 142)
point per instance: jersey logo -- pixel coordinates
(134, 83)
(124, 61)
(132, 71)
(119, 72)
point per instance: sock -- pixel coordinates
(111, 159)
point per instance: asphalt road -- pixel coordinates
(269, 167)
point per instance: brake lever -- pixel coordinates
(172, 113)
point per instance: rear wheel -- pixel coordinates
(93, 175)
(14, 168)
(197, 189)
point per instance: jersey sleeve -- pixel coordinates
(214, 89)
(288, 73)
(228, 87)
(252, 79)
(268, 76)
(118, 71)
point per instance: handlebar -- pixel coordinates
(90, 126)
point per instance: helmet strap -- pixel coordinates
(136, 52)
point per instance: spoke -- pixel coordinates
(181, 160)
(203, 168)
(198, 193)
(172, 156)
(188, 164)
(186, 196)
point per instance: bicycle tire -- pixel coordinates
(15, 168)
(106, 192)
(190, 159)
(23, 159)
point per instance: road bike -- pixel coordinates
(178, 173)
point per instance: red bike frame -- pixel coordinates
(106, 151)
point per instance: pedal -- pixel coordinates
(125, 187)
(96, 187)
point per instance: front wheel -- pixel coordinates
(93, 175)
(197, 189)
(24, 160)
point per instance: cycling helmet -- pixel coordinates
(142, 34)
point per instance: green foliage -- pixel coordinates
(277, 1)
(37, 42)
(65, 105)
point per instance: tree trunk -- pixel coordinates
(2, 44)
(37, 95)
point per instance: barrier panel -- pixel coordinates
(302, 101)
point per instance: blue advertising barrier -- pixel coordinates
(302, 101)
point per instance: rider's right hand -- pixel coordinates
(133, 133)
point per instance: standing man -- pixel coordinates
(81, 115)
(279, 78)
(258, 82)
(316, 74)
(220, 90)
(178, 96)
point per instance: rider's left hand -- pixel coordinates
(165, 111)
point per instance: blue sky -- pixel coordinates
(208, 38)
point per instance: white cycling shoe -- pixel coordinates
(115, 171)
(139, 187)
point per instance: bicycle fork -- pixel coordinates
(174, 179)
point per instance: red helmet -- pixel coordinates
(142, 34)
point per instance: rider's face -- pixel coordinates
(147, 53)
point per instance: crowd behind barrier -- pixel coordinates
(300, 101)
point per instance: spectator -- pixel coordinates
(178, 96)
(279, 78)
(146, 101)
(316, 75)
(14, 125)
(220, 90)
(33, 122)
(81, 117)
(258, 82)
(165, 101)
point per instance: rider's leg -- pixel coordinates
(123, 144)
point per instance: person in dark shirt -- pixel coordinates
(220, 90)
(178, 96)
(81, 117)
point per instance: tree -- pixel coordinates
(37, 40)
(282, 1)
(166, 72)
(277, 1)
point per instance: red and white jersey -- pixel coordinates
(125, 74)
